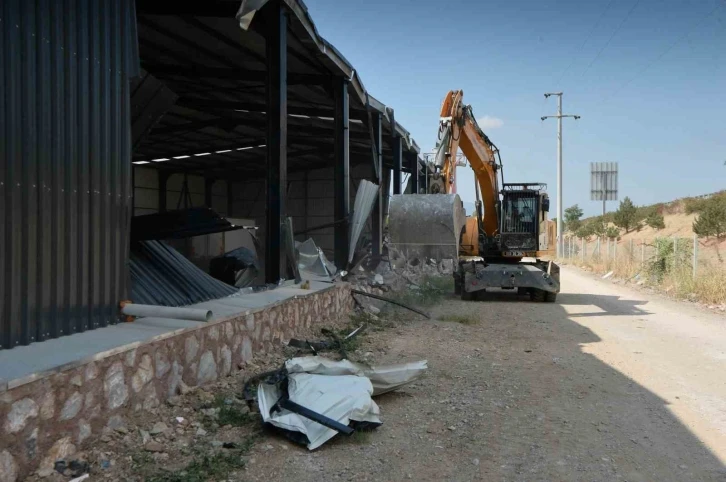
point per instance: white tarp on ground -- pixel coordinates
(340, 390)
(384, 378)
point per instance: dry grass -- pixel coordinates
(709, 285)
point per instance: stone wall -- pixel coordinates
(52, 417)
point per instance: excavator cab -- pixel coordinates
(524, 208)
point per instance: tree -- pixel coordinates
(655, 221)
(626, 215)
(585, 230)
(712, 221)
(612, 232)
(597, 226)
(572, 218)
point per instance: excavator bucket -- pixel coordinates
(426, 225)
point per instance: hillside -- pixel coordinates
(678, 216)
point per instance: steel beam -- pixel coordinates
(377, 214)
(341, 171)
(397, 164)
(317, 110)
(244, 75)
(276, 108)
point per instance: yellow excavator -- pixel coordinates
(502, 243)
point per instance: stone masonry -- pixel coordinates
(54, 416)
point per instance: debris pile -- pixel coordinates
(312, 399)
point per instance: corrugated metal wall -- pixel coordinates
(65, 165)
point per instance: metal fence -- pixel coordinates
(667, 253)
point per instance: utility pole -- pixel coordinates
(559, 116)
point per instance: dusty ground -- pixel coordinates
(605, 384)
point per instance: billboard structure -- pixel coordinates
(603, 182)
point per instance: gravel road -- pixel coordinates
(606, 384)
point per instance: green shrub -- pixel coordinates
(668, 259)
(612, 232)
(655, 221)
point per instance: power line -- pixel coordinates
(611, 38)
(597, 23)
(670, 47)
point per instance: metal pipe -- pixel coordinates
(134, 309)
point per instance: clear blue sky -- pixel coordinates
(666, 127)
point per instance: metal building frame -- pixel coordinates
(224, 89)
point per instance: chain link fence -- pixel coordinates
(665, 254)
(687, 267)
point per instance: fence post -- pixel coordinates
(615, 248)
(695, 254)
(608, 248)
(598, 248)
(582, 241)
(642, 251)
(631, 249)
(675, 252)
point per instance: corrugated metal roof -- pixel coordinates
(160, 275)
(65, 191)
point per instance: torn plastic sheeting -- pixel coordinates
(365, 198)
(384, 378)
(341, 398)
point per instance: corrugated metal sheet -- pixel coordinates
(365, 198)
(604, 181)
(65, 169)
(160, 275)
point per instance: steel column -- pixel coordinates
(414, 176)
(377, 214)
(163, 178)
(276, 90)
(208, 187)
(397, 161)
(341, 172)
(230, 198)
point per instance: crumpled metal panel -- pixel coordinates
(365, 198)
(160, 275)
(311, 259)
(338, 389)
(247, 12)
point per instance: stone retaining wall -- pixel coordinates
(52, 417)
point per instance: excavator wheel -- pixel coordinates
(542, 296)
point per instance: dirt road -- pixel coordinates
(605, 384)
